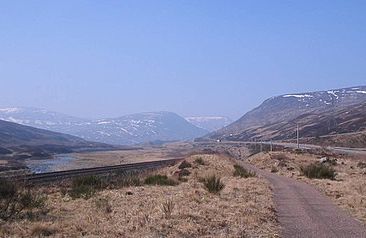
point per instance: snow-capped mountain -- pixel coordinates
(129, 129)
(289, 109)
(212, 123)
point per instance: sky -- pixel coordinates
(98, 59)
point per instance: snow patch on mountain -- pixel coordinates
(298, 96)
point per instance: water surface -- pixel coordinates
(49, 165)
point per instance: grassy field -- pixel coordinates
(188, 207)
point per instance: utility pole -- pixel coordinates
(261, 146)
(271, 146)
(297, 135)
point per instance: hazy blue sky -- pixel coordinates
(109, 58)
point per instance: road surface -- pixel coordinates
(303, 212)
(342, 150)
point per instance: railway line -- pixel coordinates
(49, 177)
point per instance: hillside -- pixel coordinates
(19, 142)
(317, 113)
(129, 129)
(18, 137)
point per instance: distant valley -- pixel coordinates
(212, 123)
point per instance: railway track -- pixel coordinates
(49, 177)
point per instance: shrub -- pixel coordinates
(319, 171)
(242, 172)
(199, 161)
(185, 165)
(14, 200)
(158, 179)
(213, 184)
(167, 208)
(85, 187)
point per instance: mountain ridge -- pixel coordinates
(128, 129)
(274, 113)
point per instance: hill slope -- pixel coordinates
(317, 113)
(129, 129)
(19, 142)
(14, 135)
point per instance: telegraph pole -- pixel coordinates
(261, 146)
(271, 146)
(297, 135)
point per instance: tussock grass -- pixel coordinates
(161, 180)
(240, 171)
(213, 184)
(318, 171)
(185, 165)
(199, 161)
(41, 230)
(17, 201)
(85, 187)
(167, 208)
(104, 205)
(361, 165)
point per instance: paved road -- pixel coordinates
(343, 150)
(303, 212)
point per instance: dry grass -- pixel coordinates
(348, 190)
(244, 208)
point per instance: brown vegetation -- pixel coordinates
(243, 208)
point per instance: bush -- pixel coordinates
(242, 172)
(85, 187)
(319, 171)
(199, 161)
(158, 179)
(185, 165)
(14, 200)
(213, 184)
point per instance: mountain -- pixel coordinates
(129, 129)
(209, 123)
(19, 142)
(317, 113)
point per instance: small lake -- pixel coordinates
(49, 165)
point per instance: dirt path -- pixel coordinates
(303, 212)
